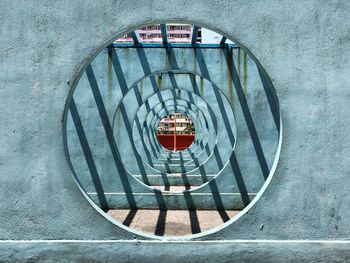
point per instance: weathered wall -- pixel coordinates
(304, 47)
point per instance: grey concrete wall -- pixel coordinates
(304, 47)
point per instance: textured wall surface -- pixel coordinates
(304, 47)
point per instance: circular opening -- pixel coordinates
(176, 132)
(218, 95)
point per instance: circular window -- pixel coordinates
(176, 132)
(172, 129)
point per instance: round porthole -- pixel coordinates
(176, 132)
(172, 129)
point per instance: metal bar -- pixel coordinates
(172, 45)
(164, 33)
(223, 41)
(246, 113)
(194, 35)
(161, 223)
(88, 156)
(129, 132)
(135, 37)
(118, 71)
(175, 133)
(109, 134)
(271, 96)
(239, 179)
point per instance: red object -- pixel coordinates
(174, 135)
(183, 141)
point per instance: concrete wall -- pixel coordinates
(304, 47)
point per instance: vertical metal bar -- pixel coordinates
(223, 40)
(164, 32)
(194, 35)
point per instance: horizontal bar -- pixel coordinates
(171, 45)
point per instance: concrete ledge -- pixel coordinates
(175, 251)
(226, 201)
(176, 180)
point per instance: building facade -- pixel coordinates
(184, 124)
(177, 33)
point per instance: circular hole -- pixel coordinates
(161, 74)
(176, 132)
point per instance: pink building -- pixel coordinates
(176, 33)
